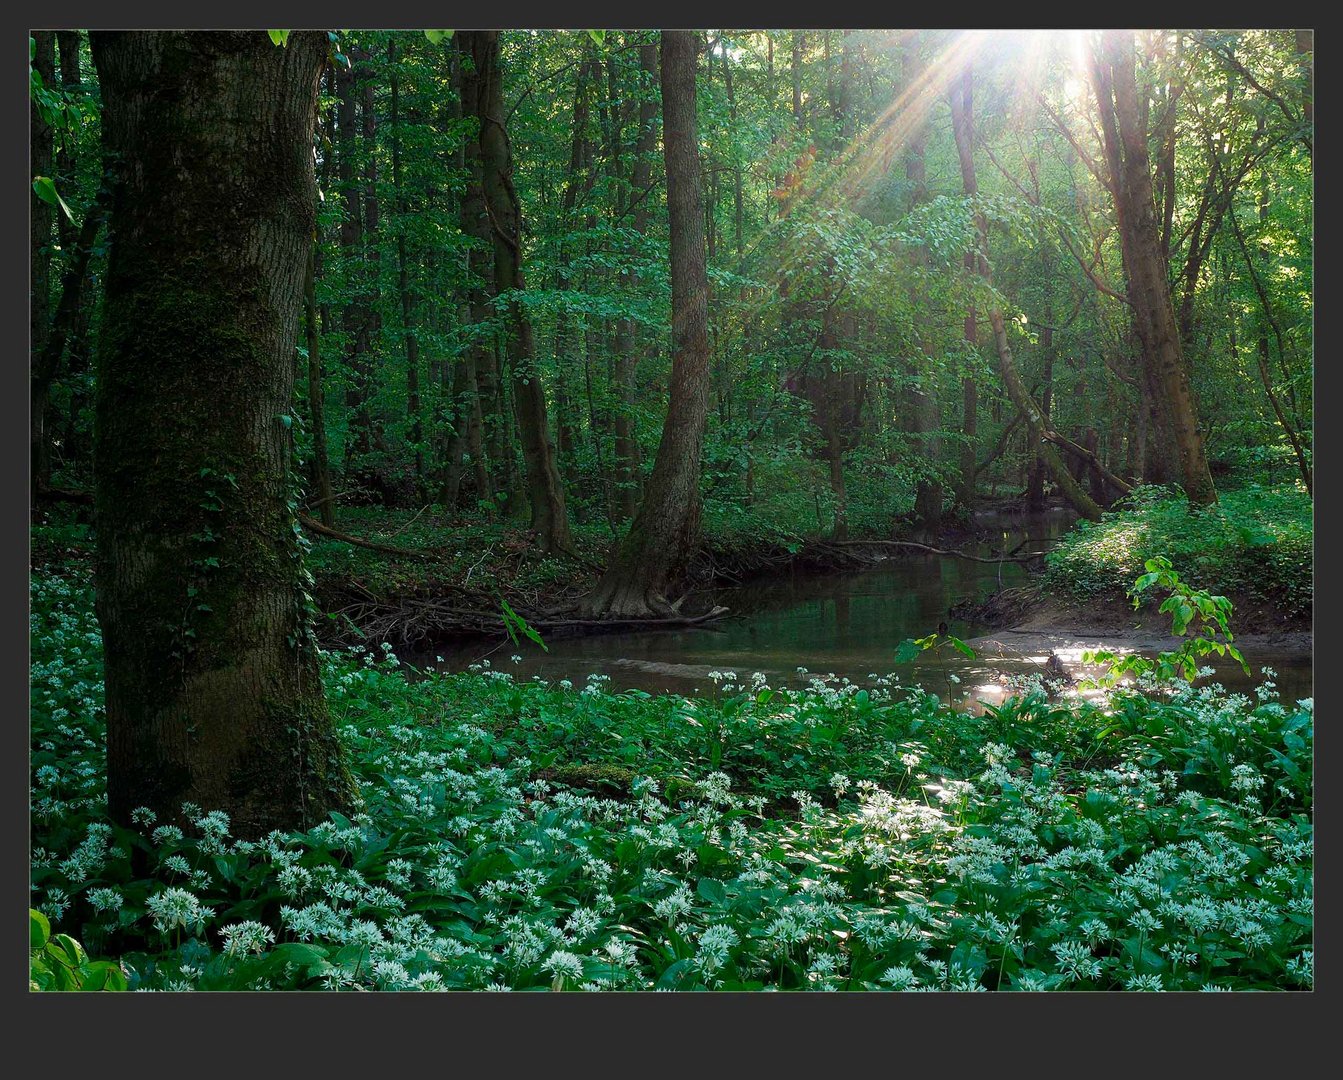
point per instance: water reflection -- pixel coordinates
(846, 624)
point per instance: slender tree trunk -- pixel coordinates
(403, 283)
(962, 118)
(924, 411)
(213, 683)
(1036, 425)
(67, 45)
(63, 327)
(665, 531)
(357, 317)
(799, 42)
(321, 465)
(628, 344)
(545, 492)
(480, 356)
(40, 222)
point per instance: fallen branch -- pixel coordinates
(935, 551)
(1122, 486)
(346, 538)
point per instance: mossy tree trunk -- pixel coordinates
(214, 692)
(664, 532)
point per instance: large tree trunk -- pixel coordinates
(213, 684)
(665, 530)
(1149, 291)
(545, 492)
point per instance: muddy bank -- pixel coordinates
(1028, 623)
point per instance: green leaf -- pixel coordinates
(712, 890)
(437, 37)
(280, 37)
(106, 976)
(598, 36)
(961, 647)
(46, 191)
(907, 651)
(39, 929)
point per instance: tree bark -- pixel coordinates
(321, 462)
(40, 224)
(357, 317)
(925, 416)
(213, 683)
(1154, 319)
(481, 379)
(403, 282)
(1035, 423)
(665, 530)
(545, 492)
(629, 347)
(962, 120)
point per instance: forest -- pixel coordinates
(621, 510)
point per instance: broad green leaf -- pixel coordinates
(907, 651)
(46, 191)
(598, 36)
(280, 37)
(39, 929)
(437, 37)
(961, 647)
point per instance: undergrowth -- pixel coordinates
(1255, 542)
(832, 838)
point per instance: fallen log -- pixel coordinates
(335, 534)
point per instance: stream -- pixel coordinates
(848, 625)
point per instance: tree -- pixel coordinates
(213, 684)
(545, 492)
(39, 297)
(664, 532)
(1125, 139)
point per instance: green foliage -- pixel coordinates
(58, 962)
(842, 838)
(1256, 542)
(1186, 606)
(46, 191)
(515, 624)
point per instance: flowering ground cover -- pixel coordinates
(523, 836)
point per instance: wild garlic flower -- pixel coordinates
(246, 937)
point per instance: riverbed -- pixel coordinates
(849, 625)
